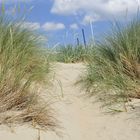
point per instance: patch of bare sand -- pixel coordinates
(79, 117)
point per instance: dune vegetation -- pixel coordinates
(72, 54)
(113, 70)
(24, 67)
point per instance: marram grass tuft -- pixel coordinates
(113, 71)
(23, 66)
(71, 54)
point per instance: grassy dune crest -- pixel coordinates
(71, 54)
(113, 72)
(23, 65)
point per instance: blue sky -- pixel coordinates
(61, 21)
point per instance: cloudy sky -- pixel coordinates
(62, 20)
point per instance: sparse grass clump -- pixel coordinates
(23, 67)
(113, 72)
(71, 54)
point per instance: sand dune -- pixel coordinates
(79, 117)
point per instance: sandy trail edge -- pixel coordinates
(81, 120)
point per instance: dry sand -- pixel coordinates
(79, 117)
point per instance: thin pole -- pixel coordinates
(91, 27)
(83, 32)
(78, 42)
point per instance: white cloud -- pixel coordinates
(74, 26)
(52, 26)
(48, 26)
(30, 25)
(90, 18)
(64, 6)
(103, 8)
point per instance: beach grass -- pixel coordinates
(113, 70)
(24, 67)
(71, 54)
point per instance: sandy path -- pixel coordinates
(80, 119)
